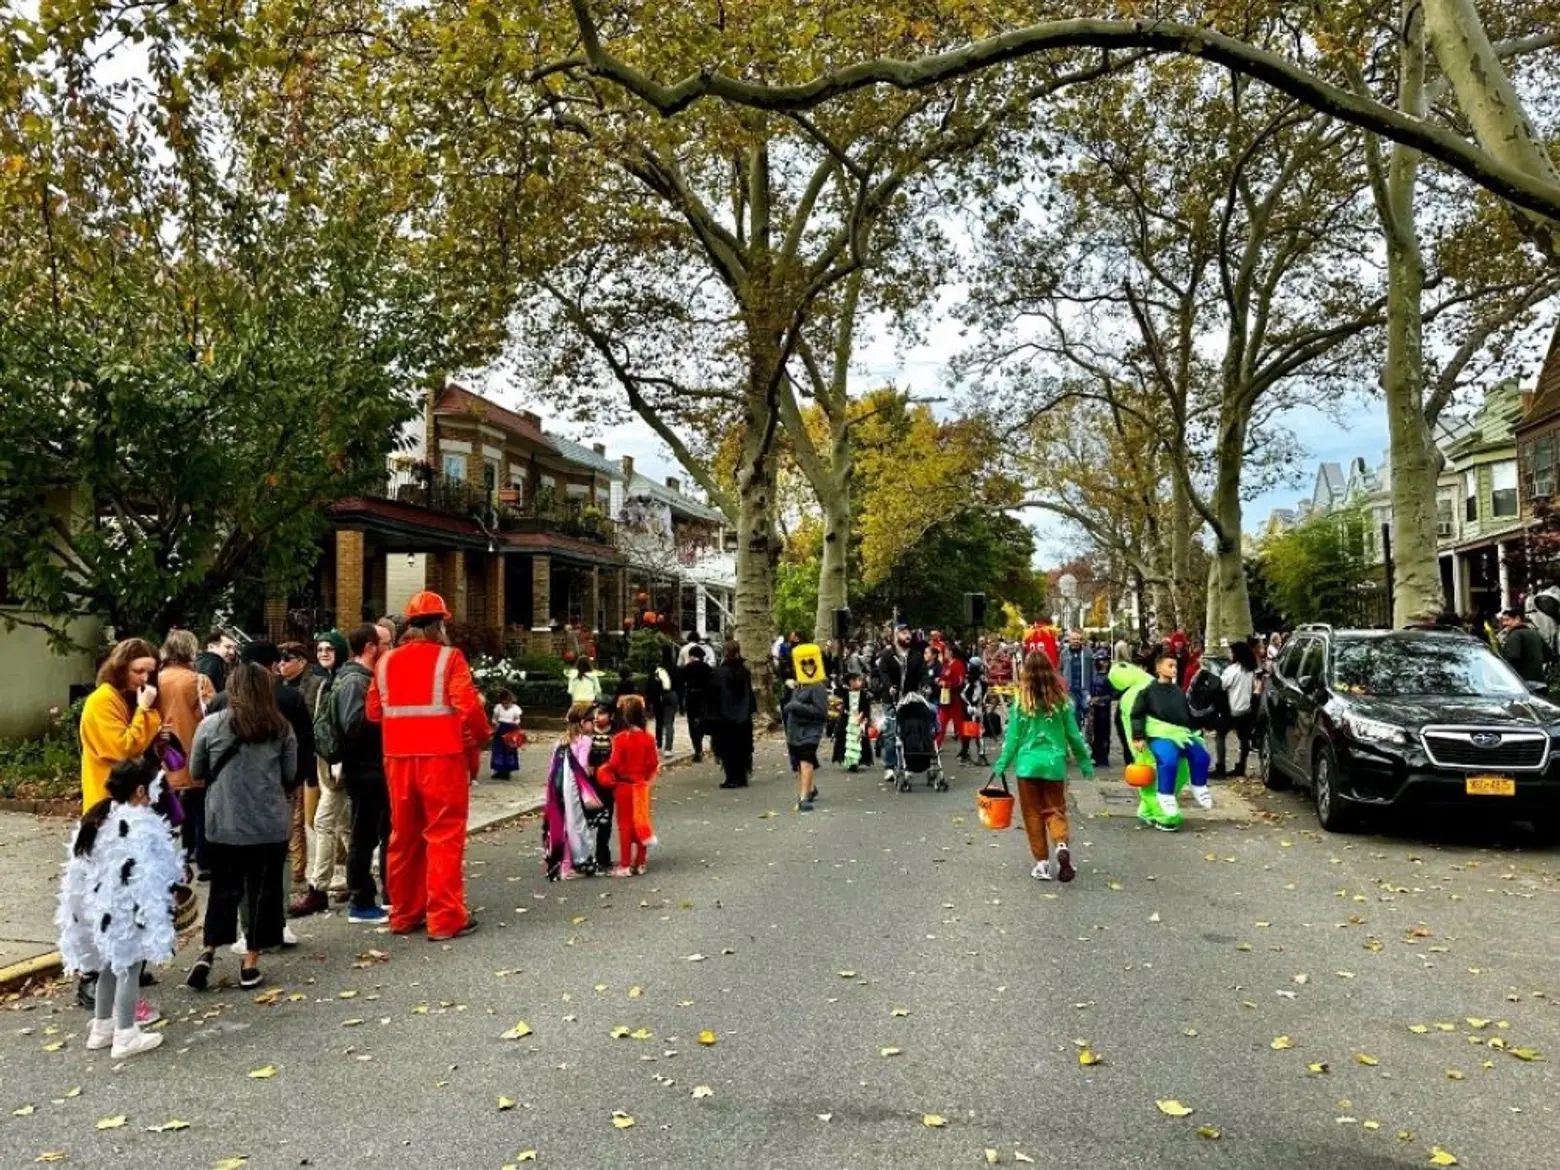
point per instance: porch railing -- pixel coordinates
(502, 509)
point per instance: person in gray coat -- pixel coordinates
(806, 714)
(247, 756)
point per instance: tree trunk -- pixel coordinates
(833, 572)
(1414, 464)
(1182, 587)
(1229, 603)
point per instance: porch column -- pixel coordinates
(349, 577)
(433, 573)
(541, 593)
(701, 602)
(1504, 572)
(612, 619)
(276, 619)
(1459, 584)
(452, 574)
(590, 617)
(495, 617)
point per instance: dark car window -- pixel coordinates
(1430, 666)
(1289, 657)
(1315, 657)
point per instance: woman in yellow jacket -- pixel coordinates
(120, 720)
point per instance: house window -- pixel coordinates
(1544, 468)
(1443, 517)
(1471, 494)
(455, 467)
(1503, 477)
(490, 475)
(517, 480)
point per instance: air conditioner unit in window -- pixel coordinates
(1543, 486)
(1443, 530)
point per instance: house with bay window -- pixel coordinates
(1479, 514)
(1538, 461)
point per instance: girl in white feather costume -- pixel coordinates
(116, 903)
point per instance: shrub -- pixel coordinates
(50, 765)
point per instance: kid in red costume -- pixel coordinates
(629, 772)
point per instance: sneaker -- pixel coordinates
(813, 795)
(368, 915)
(289, 939)
(147, 978)
(621, 871)
(804, 806)
(1168, 806)
(1203, 797)
(888, 776)
(1041, 871)
(145, 1014)
(200, 975)
(469, 928)
(310, 902)
(241, 947)
(653, 843)
(100, 1035)
(250, 977)
(1064, 865)
(132, 1041)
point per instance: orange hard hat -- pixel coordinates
(426, 604)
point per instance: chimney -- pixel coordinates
(599, 449)
(532, 417)
(674, 483)
(628, 467)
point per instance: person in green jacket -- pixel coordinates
(1042, 732)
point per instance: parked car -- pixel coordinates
(1374, 719)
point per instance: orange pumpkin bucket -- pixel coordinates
(995, 805)
(1140, 775)
(969, 729)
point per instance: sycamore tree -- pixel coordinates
(1318, 571)
(213, 320)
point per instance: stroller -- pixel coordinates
(910, 735)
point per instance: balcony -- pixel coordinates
(502, 510)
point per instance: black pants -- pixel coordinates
(735, 747)
(252, 876)
(370, 831)
(604, 828)
(665, 721)
(1241, 725)
(192, 834)
(696, 731)
(1121, 733)
(1099, 734)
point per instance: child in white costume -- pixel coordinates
(116, 903)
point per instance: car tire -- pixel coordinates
(1331, 810)
(1273, 779)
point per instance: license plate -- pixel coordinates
(1491, 786)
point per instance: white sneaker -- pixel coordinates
(1203, 797)
(1168, 806)
(888, 776)
(1041, 871)
(101, 1035)
(241, 947)
(289, 939)
(132, 1041)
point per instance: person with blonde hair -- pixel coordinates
(178, 704)
(571, 803)
(1042, 732)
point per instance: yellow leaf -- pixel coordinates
(1368, 1061)
(900, 1012)
(992, 1157)
(526, 1156)
(346, 995)
(1528, 1054)
(1440, 1157)
(888, 1052)
(577, 920)
(847, 974)
(620, 1032)
(1173, 1108)
(264, 1073)
(519, 1032)
(600, 988)
(635, 991)
(1089, 1059)
(76, 1092)
(1113, 885)
(1418, 1029)
(1209, 1132)
(51, 1156)
(1320, 1068)
(168, 1127)
(1243, 947)
(1280, 1043)
(1189, 1032)
(702, 1091)
(55, 1047)
(934, 1121)
(505, 1104)
(1020, 1156)
(237, 1163)
(1475, 1022)
(111, 1122)
(707, 1038)
(1373, 1125)
(622, 1120)
(24, 1111)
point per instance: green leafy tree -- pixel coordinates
(1318, 571)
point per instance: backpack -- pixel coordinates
(328, 743)
(1207, 699)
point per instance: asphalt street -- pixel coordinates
(885, 987)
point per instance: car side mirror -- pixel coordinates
(1309, 684)
(1538, 688)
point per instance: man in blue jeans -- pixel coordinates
(1162, 723)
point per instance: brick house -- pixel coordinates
(1538, 460)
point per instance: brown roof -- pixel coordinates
(457, 400)
(1546, 395)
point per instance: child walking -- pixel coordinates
(505, 757)
(116, 904)
(1042, 731)
(629, 772)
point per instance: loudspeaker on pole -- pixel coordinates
(841, 624)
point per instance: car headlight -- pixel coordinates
(1374, 729)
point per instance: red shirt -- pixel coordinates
(634, 759)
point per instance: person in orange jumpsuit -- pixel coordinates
(629, 772)
(430, 709)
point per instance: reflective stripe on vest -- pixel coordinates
(440, 665)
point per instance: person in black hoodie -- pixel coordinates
(217, 659)
(1164, 702)
(697, 679)
(363, 775)
(734, 704)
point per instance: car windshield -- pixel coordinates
(1438, 666)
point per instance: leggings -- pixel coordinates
(117, 995)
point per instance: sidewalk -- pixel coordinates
(33, 848)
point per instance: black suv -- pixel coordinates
(1378, 719)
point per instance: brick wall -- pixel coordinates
(541, 592)
(349, 577)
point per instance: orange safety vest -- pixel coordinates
(412, 686)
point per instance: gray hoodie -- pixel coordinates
(247, 801)
(806, 712)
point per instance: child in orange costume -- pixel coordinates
(632, 768)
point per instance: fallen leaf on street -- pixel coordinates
(236, 1163)
(635, 991)
(934, 1121)
(622, 1120)
(641, 1034)
(1019, 1156)
(263, 1073)
(1418, 1029)
(168, 1127)
(707, 1038)
(51, 1156)
(111, 1122)
(1440, 1157)
(505, 1104)
(1280, 1043)
(620, 1032)
(24, 1111)
(992, 1157)
(1173, 1108)
(519, 1032)
(1525, 1053)
(1088, 1059)
(1454, 1074)
(1319, 1069)
(1209, 1133)
(901, 1012)
(1476, 1023)
(702, 1091)
(1367, 1060)
(846, 974)
(888, 1052)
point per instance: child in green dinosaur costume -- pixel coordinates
(1131, 680)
